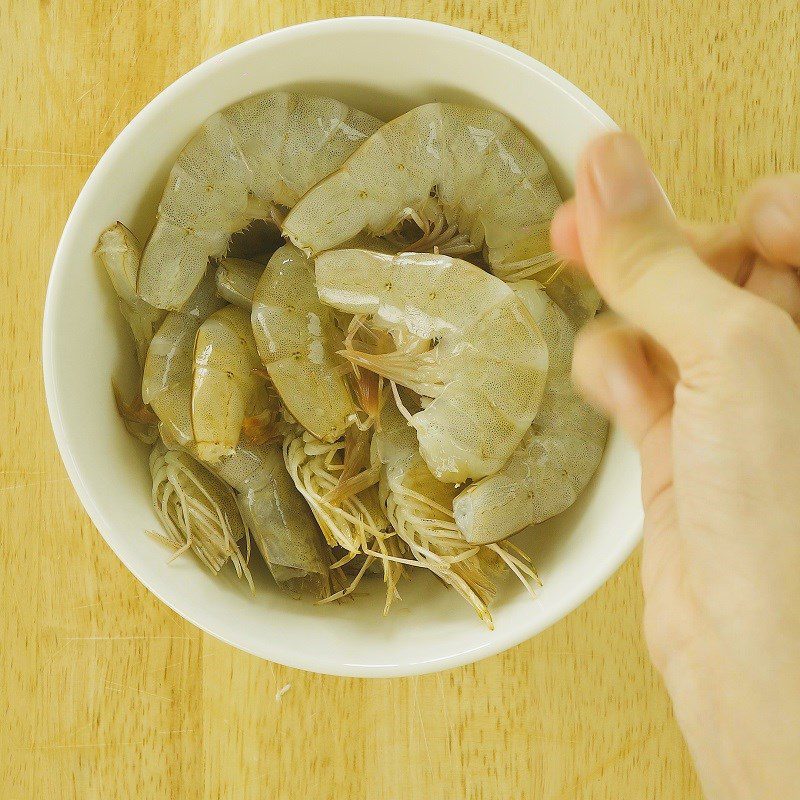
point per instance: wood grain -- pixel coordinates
(106, 693)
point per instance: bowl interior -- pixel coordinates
(383, 66)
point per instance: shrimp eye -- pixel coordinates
(362, 194)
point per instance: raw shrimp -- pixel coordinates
(556, 457)
(487, 370)
(119, 252)
(167, 378)
(279, 520)
(226, 386)
(245, 162)
(237, 279)
(297, 341)
(197, 511)
(419, 508)
(492, 188)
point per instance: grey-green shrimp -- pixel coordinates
(246, 162)
(492, 188)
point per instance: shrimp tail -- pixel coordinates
(139, 419)
(260, 429)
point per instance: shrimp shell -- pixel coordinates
(237, 280)
(265, 151)
(493, 185)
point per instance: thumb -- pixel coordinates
(637, 256)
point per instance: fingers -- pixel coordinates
(727, 250)
(636, 255)
(564, 233)
(723, 247)
(769, 215)
(613, 368)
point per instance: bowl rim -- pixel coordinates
(274, 650)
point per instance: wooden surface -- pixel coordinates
(105, 693)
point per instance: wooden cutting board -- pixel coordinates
(104, 692)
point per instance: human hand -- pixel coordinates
(705, 378)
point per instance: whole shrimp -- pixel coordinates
(297, 341)
(197, 511)
(278, 517)
(556, 457)
(420, 509)
(485, 373)
(491, 188)
(227, 390)
(243, 164)
(168, 368)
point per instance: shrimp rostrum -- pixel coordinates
(491, 189)
(465, 343)
(244, 163)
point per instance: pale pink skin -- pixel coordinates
(700, 363)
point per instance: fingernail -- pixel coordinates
(623, 180)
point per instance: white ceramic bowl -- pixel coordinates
(384, 66)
